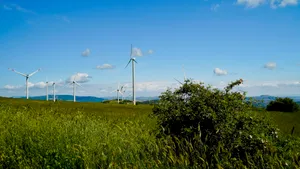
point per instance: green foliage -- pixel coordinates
(283, 105)
(220, 128)
(40, 134)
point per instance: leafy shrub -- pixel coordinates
(283, 104)
(215, 127)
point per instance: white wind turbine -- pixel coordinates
(74, 83)
(184, 76)
(122, 91)
(132, 60)
(53, 87)
(47, 95)
(53, 84)
(26, 76)
(118, 92)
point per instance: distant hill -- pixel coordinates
(88, 98)
(265, 99)
(69, 98)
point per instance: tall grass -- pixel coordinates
(37, 134)
(56, 138)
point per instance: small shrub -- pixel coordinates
(283, 105)
(216, 128)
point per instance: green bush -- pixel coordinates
(216, 128)
(283, 105)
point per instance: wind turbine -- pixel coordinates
(26, 76)
(74, 83)
(132, 60)
(122, 91)
(53, 84)
(47, 95)
(118, 92)
(184, 76)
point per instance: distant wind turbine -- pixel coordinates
(132, 60)
(122, 91)
(118, 92)
(74, 83)
(184, 76)
(47, 95)
(26, 76)
(53, 84)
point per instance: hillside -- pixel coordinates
(68, 98)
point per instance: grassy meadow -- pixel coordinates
(40, 134)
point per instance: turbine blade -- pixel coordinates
(128, 63)
(178, 81)
(17, 72)
(34, 72)
(78, 84)
(135, 61)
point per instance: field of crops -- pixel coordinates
(40, 134)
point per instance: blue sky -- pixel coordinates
(257, 40)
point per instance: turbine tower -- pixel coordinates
(47, 95)
(118, 91)
(132, 60)
(122, 91)
(27, 76)
(74, 83)
(53, 84)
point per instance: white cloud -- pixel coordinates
(19, 8)
(150, 51)
(30, 85)
(220, 72)
(215, 7)
(273, 3)
(63, 18)
(154, 88)
(137, 52)
(79, 78)
(251, 3)
(40, 85)
(10, 87)
(285, 3)
(86, 53)
(256, 88)
(7, 7)
(270, 65)
(105, 66)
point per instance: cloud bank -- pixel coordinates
(272, 3)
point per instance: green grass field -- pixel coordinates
(40, 134)
(284, 121)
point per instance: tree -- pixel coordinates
(283, 104)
